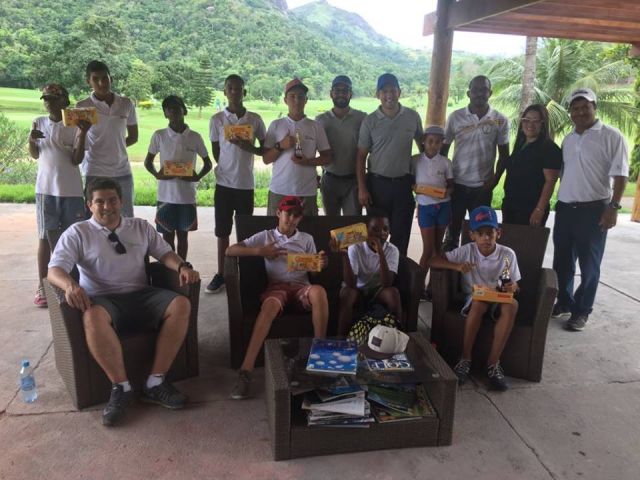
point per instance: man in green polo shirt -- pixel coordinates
(384, 146)
(342, 123)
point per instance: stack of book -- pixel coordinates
(399, 402)
(342, 404)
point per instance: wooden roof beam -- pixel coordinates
(537, 30)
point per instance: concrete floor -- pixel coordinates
(581, 422)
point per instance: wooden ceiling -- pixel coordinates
(598, 20)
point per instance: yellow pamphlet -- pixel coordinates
(349, 235)
(484, 294)
(435, 192)
(304, 262)
(240, 132)
(71, 116)
(177, 168)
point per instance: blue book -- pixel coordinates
(333, 357)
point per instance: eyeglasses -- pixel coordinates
(119, 246)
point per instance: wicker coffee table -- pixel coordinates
(292, 438)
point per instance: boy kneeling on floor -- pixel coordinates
(482, 262)
(284, 287)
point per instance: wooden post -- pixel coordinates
(635, 213)
(440, 68)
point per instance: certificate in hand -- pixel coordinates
(177, 168)
(239, 132)
(71, 116)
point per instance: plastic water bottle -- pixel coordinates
(27, 383)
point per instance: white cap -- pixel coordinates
(385, 342)
(585, 93)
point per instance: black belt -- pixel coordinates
(350, 176)
(391, 179)
(595, 203)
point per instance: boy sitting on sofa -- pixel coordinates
(482, 262)
(284, 288)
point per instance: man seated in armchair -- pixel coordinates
(114, 295)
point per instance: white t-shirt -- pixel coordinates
(299, 242)
(365, 263)
(235, 165)
(185, 146)
(433, 172)
(103, 271)
(487, 270)
(589, 160)
(106, 150)
(476, 140)
(288, 178)
(57, 175)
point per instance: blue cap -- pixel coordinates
(434, 130)
(483, 217)
(341, 79)
(387, 79)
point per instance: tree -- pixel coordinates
(201, 91)
(138, 82)
(529, 73)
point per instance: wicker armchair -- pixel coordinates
(85, 380)
(524, 353)
(246, 279)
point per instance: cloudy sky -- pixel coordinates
(401, 20)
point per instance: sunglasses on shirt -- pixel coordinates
(119, 246)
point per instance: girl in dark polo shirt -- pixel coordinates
(532, 170)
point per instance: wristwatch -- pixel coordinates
(184, 264)
(278, 147)
(614, 205)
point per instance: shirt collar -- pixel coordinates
(293, 122)
(97, 225)
(596, 126)
(230, 115)
(492, 256)
(280, 236)
(471, 114)
(332, 114)
(381, 114)
(95, 99)
(173, 133)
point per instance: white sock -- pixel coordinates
(126, 386)
(154, 380)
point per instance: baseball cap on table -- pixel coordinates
(290, 202)
(585, 93)
(387, 79)
(384, 342)
(434, 130)
(483, 217)
(296, 82)
(341, 80)
(54, 90)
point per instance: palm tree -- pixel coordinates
(528, 74)
(562, 66)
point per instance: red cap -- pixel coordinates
(290, 202)
(296, 82)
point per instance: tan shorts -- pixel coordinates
(285, 293)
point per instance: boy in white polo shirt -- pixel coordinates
(59, 151)
(291, 145)
(284, 287)
(107, 141)
(177, 195)
(234, 172)
(482, 262)
(369, 269)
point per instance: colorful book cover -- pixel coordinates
(304, 262)
(435, 192)
(349, 235)
(397, 363)
(239, 132)
(337, 357)
(71, 116)
(177, 168)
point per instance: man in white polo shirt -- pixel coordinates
(114, 295)
(234, 172)
(107, 141)
(477, 130)
(291, 145)
(593, 156)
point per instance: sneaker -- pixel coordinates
(462, 369)
(496, 377)
(241, 388)
(40, 299)
(116, 406)
(576, 323)
(165, 395)
(560, 311)
(216, 284)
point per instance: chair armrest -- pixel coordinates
(441, 288)
(410, 282)
(547, 292)
(162, 277)
(235, 310)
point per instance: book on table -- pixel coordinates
(333, 357)
(399, 402)
(397, 363)
(350, 409)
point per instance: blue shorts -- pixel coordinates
(434, 215)
(57, 213)
(174, 216)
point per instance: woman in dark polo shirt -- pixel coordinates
(532, 170)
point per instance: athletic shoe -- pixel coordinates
(165, 395)
(241, 388)
(496, 377)
(560, 311)
(40, 299)
(118, 402)
(462, 369)
(216, 285)
(576, 323)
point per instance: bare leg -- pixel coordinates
(268, 312)
(183, 244)
(223, 244)
(170, 239)
(172, 333)
(428, 246)
(471, 327)
(319, 310)
(348, 299)
(103, 343)
(502, 330)
(390, 298)
(44, 255)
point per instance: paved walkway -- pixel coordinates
(581, 422)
